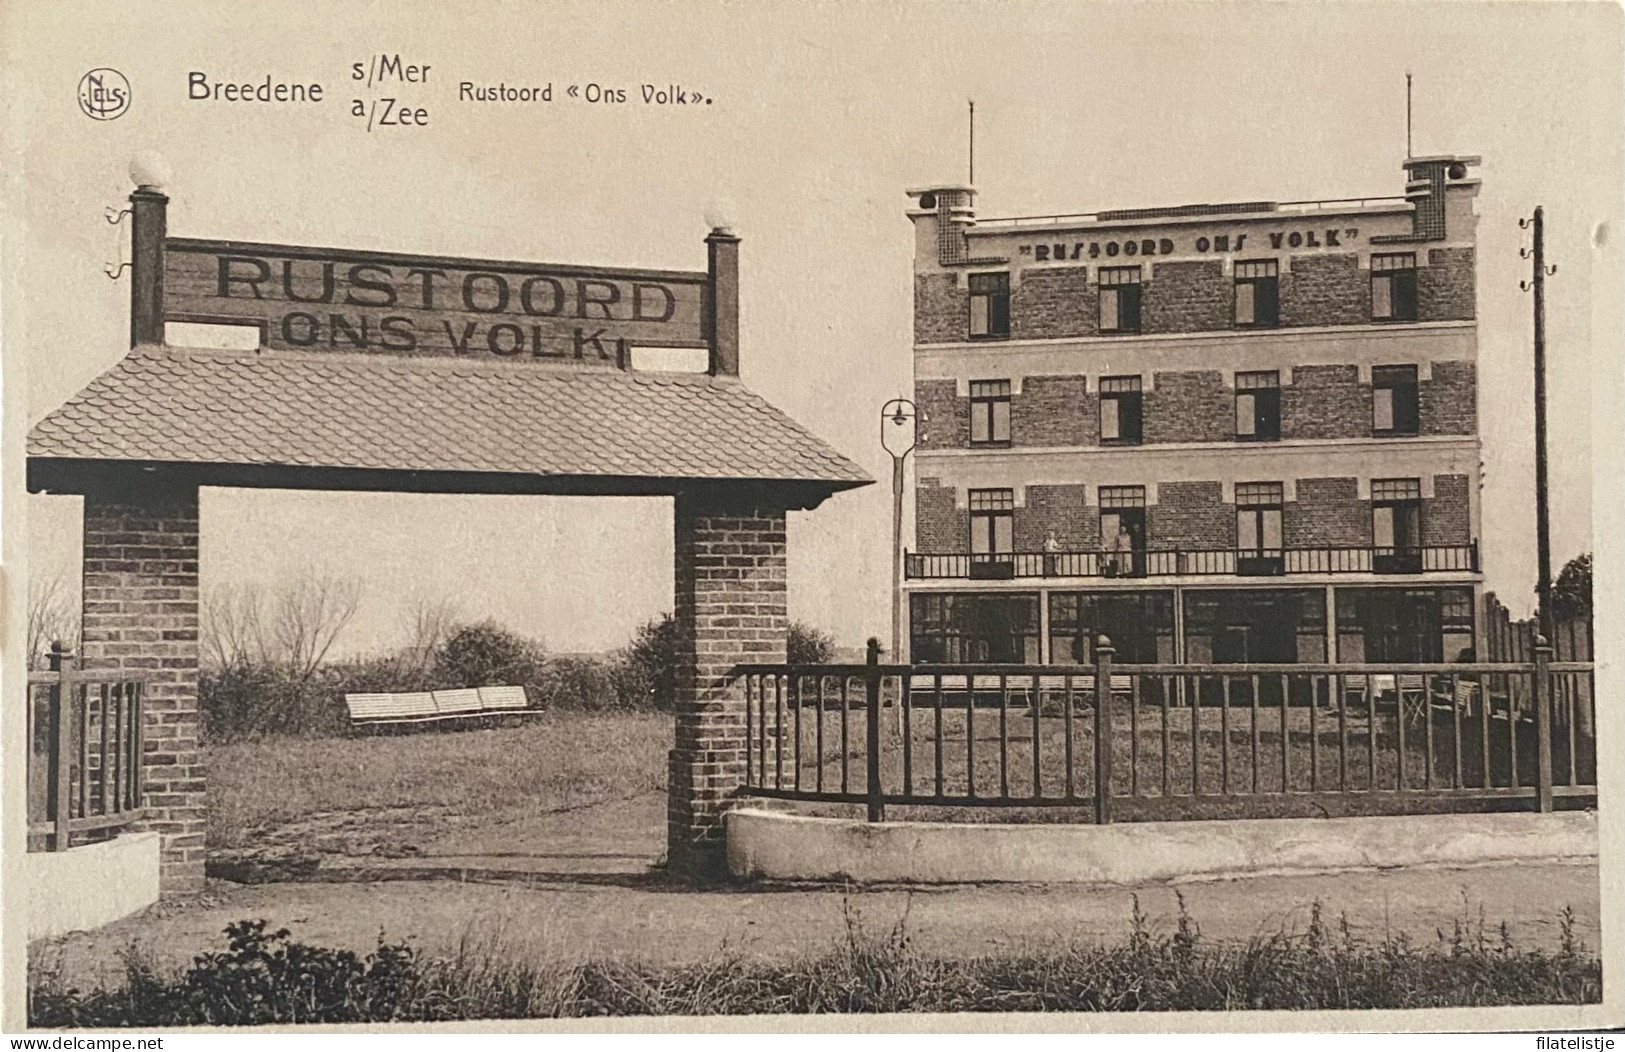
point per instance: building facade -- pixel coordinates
(1216, 433)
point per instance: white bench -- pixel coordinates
(371, 710)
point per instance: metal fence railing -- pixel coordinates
(85, 752)
(1149, 741)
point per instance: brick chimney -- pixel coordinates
(722, 301)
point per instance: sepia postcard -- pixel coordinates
(595, 515)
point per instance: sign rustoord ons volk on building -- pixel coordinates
(320, 299)
(1128, 244)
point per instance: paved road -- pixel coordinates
(607, 910)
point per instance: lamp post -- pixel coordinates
(897, 418)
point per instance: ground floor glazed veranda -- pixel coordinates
(1056, 625)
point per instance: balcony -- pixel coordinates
(1192, 562)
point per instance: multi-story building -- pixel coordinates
(1216, 433)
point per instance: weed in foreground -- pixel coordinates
(265, 977)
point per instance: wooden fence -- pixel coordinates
(84, 753)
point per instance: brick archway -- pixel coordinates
(141, 440)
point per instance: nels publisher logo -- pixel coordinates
(104, 94)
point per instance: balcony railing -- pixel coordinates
(1192, 562)
(85, 753)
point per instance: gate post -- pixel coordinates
(140, 615)
(1543, 722)
(871, 682)
(730, 609)
(65, 712)
(1103, 729)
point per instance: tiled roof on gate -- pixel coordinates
(431, 414)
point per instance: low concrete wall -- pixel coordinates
(86, 887)
(775, 846)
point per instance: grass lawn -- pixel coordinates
(459, 792)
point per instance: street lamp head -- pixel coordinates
(897, 427)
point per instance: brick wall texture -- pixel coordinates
(730, 608)
(1448, 400)
(1327, 513)
(1063, 509)
(1192, 515)
(941, 309)
(1195, 296)
(1446, 516)
(1187, 297)
(942, 417)
(1325, 290)
(1054, 411)
(1054, 302)
(1445, 287)
(1325, 401)
(141, 616)
(1189, 407)
(940, 527)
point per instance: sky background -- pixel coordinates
(823, 115)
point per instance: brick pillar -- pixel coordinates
(730, 609)
(141, 616)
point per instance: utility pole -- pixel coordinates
(1543, 525)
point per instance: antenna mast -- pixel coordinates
(972, 174)
(1408, 153)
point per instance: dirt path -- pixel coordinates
(613, 914)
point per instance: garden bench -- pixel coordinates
(428, 707)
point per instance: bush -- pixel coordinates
(487, 655)
(579, 684)
(247, 701)
(806, 645)
(644, 672)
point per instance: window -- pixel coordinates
(992, 532)
(974, 629)
(1120, 410)
(1393, 287)
(1119, 299)
(1394, 400)
(1232, 626)
(1402, 624)
(1258, 528)
(1258, 293)
(1396, 525)
(990, 413)
(989, 305)
(1258, 407)
(1122, 531)
(1139, 624)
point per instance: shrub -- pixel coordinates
(806, 645)
(579, 684)
(487, 655)
(644, 672)
(245, 701)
